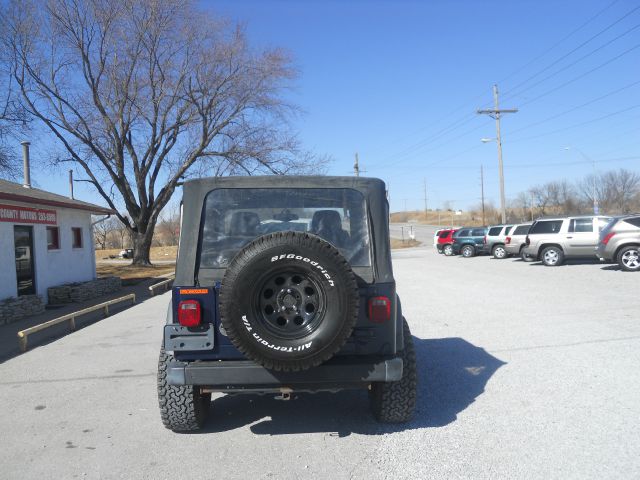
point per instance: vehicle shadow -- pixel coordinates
(452, 374)
(614, 267)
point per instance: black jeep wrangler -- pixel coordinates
(284, 284)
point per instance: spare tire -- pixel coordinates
(289, 301)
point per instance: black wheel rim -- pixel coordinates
(289, 304)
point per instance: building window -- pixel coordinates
(76, 235)
(53, 238)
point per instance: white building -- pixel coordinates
(45, 240)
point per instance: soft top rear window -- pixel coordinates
(233, 217)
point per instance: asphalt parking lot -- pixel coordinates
(525, 372)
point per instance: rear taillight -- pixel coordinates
(607, 237)
(507, 240)
(189, 313)
(484, 240)
(379, 309)
(527, 241)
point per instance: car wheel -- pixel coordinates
(552, 256)
(183, 408)
(499, 252)
(629, 259)
(395, 402)
(468, 251)
(525, 257)
(289, 301)
(448, 250)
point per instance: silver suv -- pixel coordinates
(494, 241)
(620, 242)
(515, 241)
(553, 239)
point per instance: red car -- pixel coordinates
(445, 239)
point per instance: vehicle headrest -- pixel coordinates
(326, 220)
(244, 223)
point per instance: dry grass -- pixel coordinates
(157, 253)
(133, 272)
(398, 243)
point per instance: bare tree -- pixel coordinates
(143, 94)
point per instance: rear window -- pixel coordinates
(444, 234)
(635, 221)
(478, 232)
(508, 229)
(233, 217)
(495, 231)
(546, 226)
(521, 230)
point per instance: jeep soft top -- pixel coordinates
(284, 284)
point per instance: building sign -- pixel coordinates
(12, 213)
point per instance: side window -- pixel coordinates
(546, 226)
(522, 230)
(477, 232)
(581, 225)
(76, 237)
(53, 238)
(635, 221)
(463, 233)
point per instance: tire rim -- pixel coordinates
(631, 259)
(466, 252)
(551, 257)
(447, 250)
(290, 304)
(499, 252)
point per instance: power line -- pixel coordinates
(559, 42)
(579, 77)
(575, 62)
(608, 94)
(555, 62)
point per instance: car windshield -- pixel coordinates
(233, 217)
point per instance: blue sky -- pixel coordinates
(399, 83)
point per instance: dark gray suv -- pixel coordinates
(284, 284)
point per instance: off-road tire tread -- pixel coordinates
(395, 402)
(182, 408)
(299, 239)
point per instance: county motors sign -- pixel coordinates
(11, 213)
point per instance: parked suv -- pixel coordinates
(494, 240)
(445, 241)
(620, 242)
(516, 240)
(468, 241)
(261, 306)
(552, 240)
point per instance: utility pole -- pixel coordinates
(496, 113)
(532, 206)
(356, 167)
(426, 211)
(482, 192)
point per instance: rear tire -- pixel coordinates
(447, 250)
(552, 256)
(183, 408)
(499, 252)
(395, 402)
(629, 259)
(468, 251)
(525, 257)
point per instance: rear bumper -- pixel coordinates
(247, 375)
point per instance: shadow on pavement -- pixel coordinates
(452, 374)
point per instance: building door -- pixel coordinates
(23, 238)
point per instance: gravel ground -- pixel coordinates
(525, 371)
